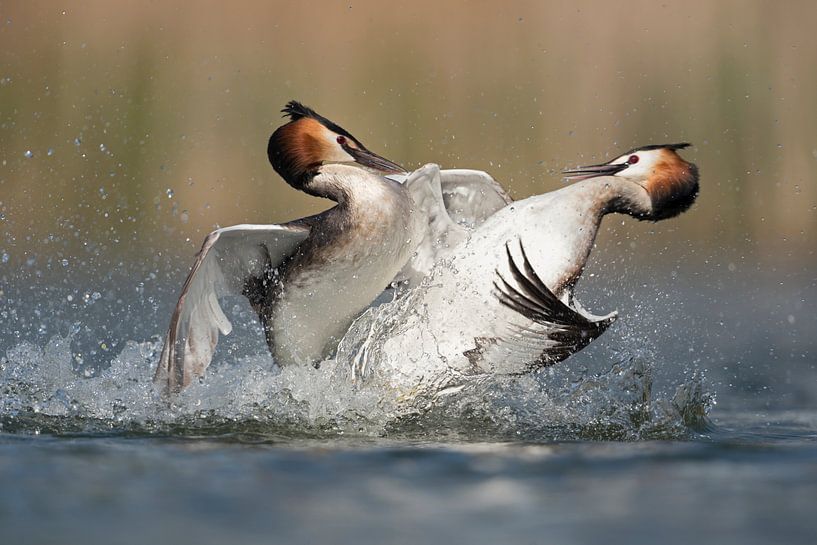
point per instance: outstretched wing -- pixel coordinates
(229, 259)
(471, 196)
(552, 332)
(439, 232)
(450, 203)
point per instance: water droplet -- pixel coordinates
(4, 257)
(102, 148)
(64, 262)
(96, 296)
(170, 193)
(77, 141)
(29, 154)
(70, 298)
(50, 152)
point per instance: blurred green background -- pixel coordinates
(130, 129)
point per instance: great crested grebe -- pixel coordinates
(307, 279)
(502, 302)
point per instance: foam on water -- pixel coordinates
(42, 391)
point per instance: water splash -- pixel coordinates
(43, 391)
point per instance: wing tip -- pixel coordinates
(528, 295)
(169, 378)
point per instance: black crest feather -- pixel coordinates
(295, 111)
(673, 147)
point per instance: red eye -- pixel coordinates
(633, 159)
(341, 140)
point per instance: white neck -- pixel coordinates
(609, 194)
(559, 228)
(347, 185)
(352, 253)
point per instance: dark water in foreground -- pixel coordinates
(692, 421)
(751, 478)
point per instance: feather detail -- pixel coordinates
(557, 330)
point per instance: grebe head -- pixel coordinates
(670, 181)
(309, 140)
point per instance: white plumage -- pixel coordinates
(487, 283)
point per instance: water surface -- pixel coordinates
(745, 481)
(699, 438)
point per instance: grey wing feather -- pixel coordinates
(450, 203)
(471, 196)
(438, 231)
(228, 260)
(554, 330)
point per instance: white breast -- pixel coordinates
(361, 254)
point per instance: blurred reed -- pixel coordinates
(133, 128)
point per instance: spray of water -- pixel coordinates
(43, 391)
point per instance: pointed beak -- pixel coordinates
(368, 159)
(583, 173)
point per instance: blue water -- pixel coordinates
(752, 479)
(694, 420)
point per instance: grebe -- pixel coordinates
(502, 301)
(306, 279)
(309, 278)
